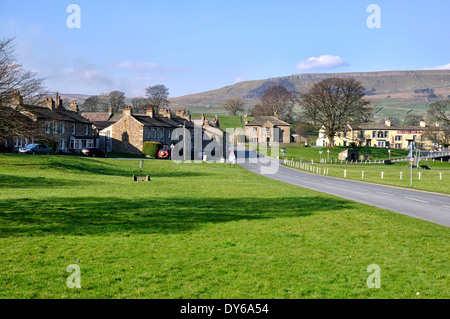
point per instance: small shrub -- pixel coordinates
(151, 149)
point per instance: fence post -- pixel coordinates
(345, 173)
(362, 174)
(382, 175)
(401, 175)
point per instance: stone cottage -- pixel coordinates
(65, 129)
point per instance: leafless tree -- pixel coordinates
(335, 102)
(439, 136)
(234, 105)
(140, 104)
(116, 100)
(440, 111)
(91, 104)
(276, 99)
(157, 96)
(103, 102)
(14, 77)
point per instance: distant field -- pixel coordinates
(201, 231)
(313, 153)
(226, 121)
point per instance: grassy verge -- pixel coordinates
(200, 231)
(399, 174)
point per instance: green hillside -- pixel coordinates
(402, 90)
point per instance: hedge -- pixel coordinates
(151, 148)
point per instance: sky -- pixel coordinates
(193, 46)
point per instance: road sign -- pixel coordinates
(232, 156)
(411, 159)
(328, 151)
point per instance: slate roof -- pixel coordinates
(59, 114)
(261, 120)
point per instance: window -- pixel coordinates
(398, 145)
(386, 134)
(55, 128)
(154, 133)
(374, 134)
(62, 128)
(86, 131)
(62, 144)
(16, 141)
(267, 129)
(73, 129)
(381, 143)
(168, 133)
(161, 133)
(380, 134)
(398, 138)
(255, 129)
(47, 128)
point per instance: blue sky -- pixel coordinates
(193, 46)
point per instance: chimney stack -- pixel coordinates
(110, 111)
(49, 103)
(59, 102)
(74, 107)
(387, 122)
(127, 110)
(150, 112)
(423, 123)
(16, 99)
(275, 114)
(245, 119)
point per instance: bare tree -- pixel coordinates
(103, 102)
(335, 102)
(91, 104)
(440, 111)
(14, 77)
(276, 99)
(234, 105)
(140, 104)
(15, 84)
(157, 96)
(439, 136)
(116, 100)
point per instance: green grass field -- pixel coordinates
(200, 231)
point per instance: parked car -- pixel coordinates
(92, 152)
(35, 149)
(164, 153)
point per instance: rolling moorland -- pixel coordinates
(396, 93)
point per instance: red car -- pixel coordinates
(164, 153)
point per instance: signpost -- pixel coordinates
(411, 160)
(320, 156)
(328, 154)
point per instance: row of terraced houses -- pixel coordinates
(125, 132)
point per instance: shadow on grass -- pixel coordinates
(101, 216)
(13, 181)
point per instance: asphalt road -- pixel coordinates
(427, 206)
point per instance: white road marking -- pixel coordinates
(417, 200)
(445, 206)
(386, 194)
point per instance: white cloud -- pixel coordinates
(238, 79)
(68, 71)
(137, 65)
(88, 74)
(442, 67)
(322, 62)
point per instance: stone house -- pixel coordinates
(66, 129)
(127, 132)
(382, 135)
(269, 130)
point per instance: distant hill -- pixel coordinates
(397, 92)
